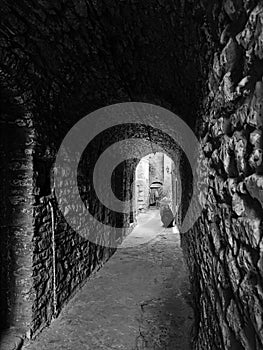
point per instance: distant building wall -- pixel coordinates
(142, 185)
(167, 177)
(176, 191)
(156, 167)
(156, 163)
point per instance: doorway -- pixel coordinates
(157, 180)
(155, 194)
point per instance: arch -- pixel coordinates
(156, 184)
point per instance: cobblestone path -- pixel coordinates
(138, 300)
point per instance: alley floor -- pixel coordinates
(138, 300)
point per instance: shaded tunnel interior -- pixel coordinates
(202, 60)
(126, 170)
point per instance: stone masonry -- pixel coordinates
(224, 249)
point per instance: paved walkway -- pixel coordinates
(137, 301)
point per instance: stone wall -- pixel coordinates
(156, 167)
(176, 191)
(142, 185)
(156, 170)
(63, 259)
(16, 211)
(224, 249)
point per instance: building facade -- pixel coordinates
(156, 177)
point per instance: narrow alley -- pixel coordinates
(138, 300)
(116, 118)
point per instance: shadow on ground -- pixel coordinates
(137, 301)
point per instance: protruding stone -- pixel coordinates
(252, 32)
(221, 127)
(215, 157)
(240, 144)
(227, 156)
(255, 139)
(229, 55)
(234, 272)
(252, 225)
(255, 159)
(208, 148)
(227, 87)
(254, 185)
(220, 187)
(231, 185)
(217, 66)
(245, 38)
(245, 85)
(213, 83)
(238, 204)
(216, 237)
(218, 128)
(258, 312)
(255, 116)
(241, 188)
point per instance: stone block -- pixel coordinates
(238, 204)
(234, 273)
(245, 86)
(227, 88)
(254, 185)
(240, 147)
(230, 55)
(255, 139)
(255, 116)
(227, 156)
(255, 160)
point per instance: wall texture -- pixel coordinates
(142, 185)
(16, 208)
(224, 250)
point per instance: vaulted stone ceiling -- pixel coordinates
(71, 57)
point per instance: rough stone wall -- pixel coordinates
(16, 210)
(167, 179)
(224, 249)
(176, 190)
(142, 185)
(63, 259)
